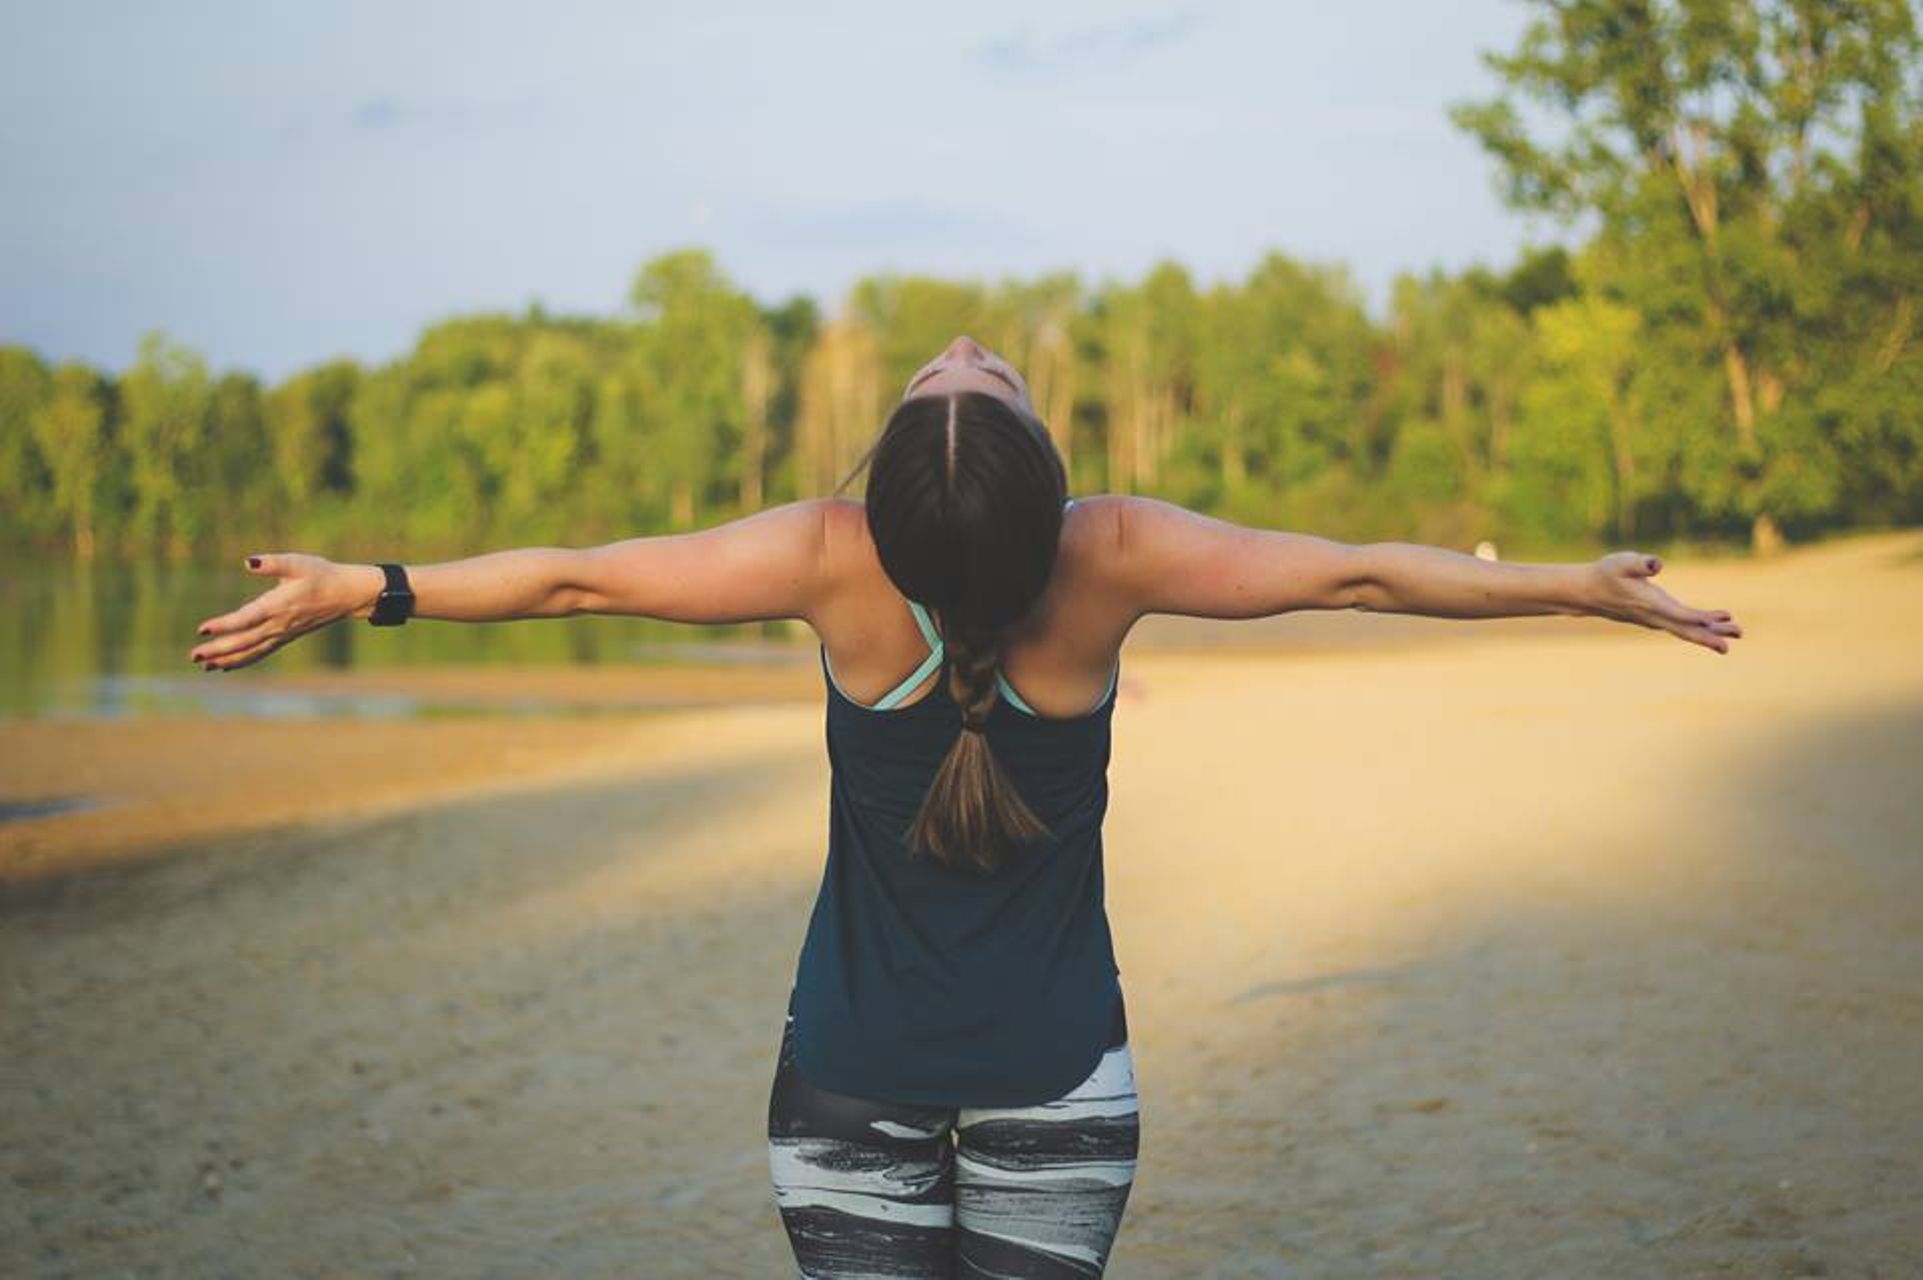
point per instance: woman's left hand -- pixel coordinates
(312, 591)
(1621, 589)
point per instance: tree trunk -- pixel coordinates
(1499, 410)
(757, 378)
(1051, 382)
(1124, 431)
(1623, 462)
(1454, 404)
(1699, 190)
(1234, 470)
(1736, 368)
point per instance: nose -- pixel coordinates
(965, 348)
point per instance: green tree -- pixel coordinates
(245, 504)
(309, 434)
(24, 386)
(693, 353)
(1712, 139)
(1282, 372)
(71, 430)
(1589, 394)
(162, 428)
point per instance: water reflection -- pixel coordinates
(111, 639)
(21, 810)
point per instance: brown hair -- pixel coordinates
(964, 499)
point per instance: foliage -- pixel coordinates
(1730, 353)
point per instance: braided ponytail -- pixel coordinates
(972, 805)
(964, 504)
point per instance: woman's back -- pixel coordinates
(925, 982)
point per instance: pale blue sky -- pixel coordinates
(274, 184)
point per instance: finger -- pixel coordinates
(246, 657)
(1672, 609)
(251, 614)
(1702, 636)
(1711, 615)
(265, 564)
(1718, 620)
(1646, 566)
(233, 643)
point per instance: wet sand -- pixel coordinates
(1557, 948)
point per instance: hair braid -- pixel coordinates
(972, 806)
(974, 656)
(964, 504)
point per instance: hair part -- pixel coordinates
(964, 503)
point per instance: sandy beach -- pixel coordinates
(1550, 948)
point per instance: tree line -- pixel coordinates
(1730, 353)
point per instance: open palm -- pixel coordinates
(1624, 592)
(306, 596)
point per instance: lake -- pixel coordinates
(111, 639)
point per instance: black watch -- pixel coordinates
(395, 604)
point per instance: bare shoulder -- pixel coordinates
(846, 517)
(1161, 557)
(847, 544)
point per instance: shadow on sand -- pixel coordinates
(1716, 1075)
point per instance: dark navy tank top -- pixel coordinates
(949, 986)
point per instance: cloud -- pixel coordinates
(378, 113)
(1083, 47)
(895, 224)
(447, 116)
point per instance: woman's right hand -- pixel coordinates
(309, 592)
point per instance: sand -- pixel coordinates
(1559, 948)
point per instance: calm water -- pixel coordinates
(112, 640)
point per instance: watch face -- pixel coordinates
(392, 607)
(395, 603)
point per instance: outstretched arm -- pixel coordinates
(772, 564)
(1173, 560)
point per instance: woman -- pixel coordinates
(953, 1091)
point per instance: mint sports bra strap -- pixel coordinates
(926, 624)
(1008, 692)
(907, 686)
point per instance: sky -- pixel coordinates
(276, 184)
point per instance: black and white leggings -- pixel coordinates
(888, 1189)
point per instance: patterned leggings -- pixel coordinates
(894, 1190)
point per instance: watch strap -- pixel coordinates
(395, 604)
